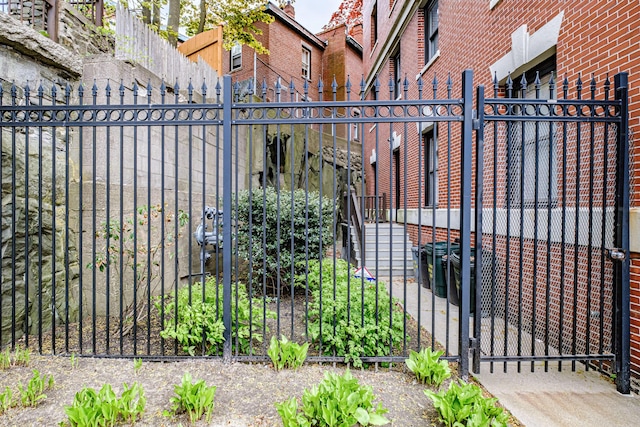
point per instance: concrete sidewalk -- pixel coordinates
(562, 399)
(537, 399)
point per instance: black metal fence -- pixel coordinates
(168, 222)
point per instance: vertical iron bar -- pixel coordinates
(108, 225)
(120, 227)
(622, 279)
(94, 229)
(163, 230)
(53, 251)
(477, 321)
(80, 222)
(465, 221)
(27, 259)
(227, 200)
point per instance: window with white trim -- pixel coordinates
(236, 57)
(306, 63)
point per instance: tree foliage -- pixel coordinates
(238, 18)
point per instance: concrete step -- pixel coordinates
(385, 273)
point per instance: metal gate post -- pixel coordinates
(477, 320)
(227, 99)
(465, 221)
(622, 292)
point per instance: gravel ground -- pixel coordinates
(245, 395)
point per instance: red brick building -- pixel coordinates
(438, 39)
(296, 55)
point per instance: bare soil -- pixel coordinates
(245, 394)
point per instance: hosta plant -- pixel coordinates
(463, 404)
(194, 318)
(33, 392)
(287, 354)
(339, 400)
(348, 316)
(428, 367)
(104, 408)
(196, 399)
(6, 400)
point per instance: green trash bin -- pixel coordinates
(487, 261)
(456, 264)
(436, 276)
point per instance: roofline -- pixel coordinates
(293, 24)
(354, 44)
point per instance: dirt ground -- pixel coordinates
(245, 395)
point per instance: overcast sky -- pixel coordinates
(314, 14)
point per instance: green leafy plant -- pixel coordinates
(137, 364)
(74, 361)
(34, 391)
(348, 317)
(6, 400)
(339, 400)
(198, 324)
(464, 405)
(196, 399)
(428, 367)
(5, 360)
(271, 252)
(22, 357)
(287, 354)
(140, 245)
(91, 408)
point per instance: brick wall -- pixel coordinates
(596, 39)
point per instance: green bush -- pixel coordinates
(199, 320)
(336, 401)
(355, 319)
(258, 238)
(464, 405)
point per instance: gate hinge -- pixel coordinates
(475, 123)
(617, 254)
(474, 344)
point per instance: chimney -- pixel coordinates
(289, 10)
(356, 32)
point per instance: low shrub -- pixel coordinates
(339, 400)
(307, 225)
(349, 317)
(199, 324)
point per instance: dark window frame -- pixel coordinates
(520, 161)
(430, 147)
(430, 11)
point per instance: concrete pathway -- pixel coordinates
(537, 399)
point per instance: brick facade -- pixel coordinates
(594, 40)
(334, 53)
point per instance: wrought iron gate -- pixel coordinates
(555, 196)
(102, 260)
